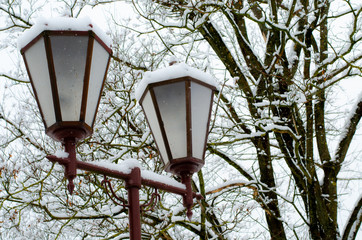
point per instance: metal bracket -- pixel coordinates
(111, 194)
(150, 206)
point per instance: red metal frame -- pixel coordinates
(83, 130)
(133, 180)
(188, 164)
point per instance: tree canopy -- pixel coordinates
(282, 156)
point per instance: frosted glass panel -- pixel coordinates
(98, 70)
(150, 112)
(200, 106)
(37, 63)
(69, 54)
(172, 104)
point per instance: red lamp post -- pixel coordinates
(67, 68)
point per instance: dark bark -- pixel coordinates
(269, 197)
(353, 222)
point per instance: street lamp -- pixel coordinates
(177, 102)
(67, 70)
(67, 61)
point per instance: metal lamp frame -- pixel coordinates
(188, 164)
(63, 129)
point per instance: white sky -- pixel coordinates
(350, 89)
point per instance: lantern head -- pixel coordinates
(177, 102)
(67, 61)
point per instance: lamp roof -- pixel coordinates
(177, 70)
(61, 24)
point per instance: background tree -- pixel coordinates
(278, 142)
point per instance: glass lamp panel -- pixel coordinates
(37, 64)
(200, 107)
(98, 70)
(172, 105)
(69, 56)
(149, 109)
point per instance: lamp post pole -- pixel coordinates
(133, 186)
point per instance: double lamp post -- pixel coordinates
(67, 65)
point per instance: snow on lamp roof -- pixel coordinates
(61, 24)
(177, 70)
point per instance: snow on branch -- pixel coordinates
(265, 129)
(349, 130)
(233, 183)
(354, 222)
